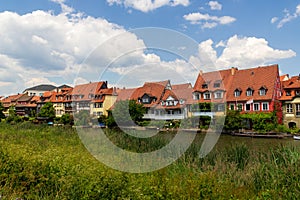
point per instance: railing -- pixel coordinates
(164, 116)
(203, 114)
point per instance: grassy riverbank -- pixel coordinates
(41, 162)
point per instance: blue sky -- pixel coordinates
(64, 41)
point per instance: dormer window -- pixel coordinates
(262, 91)
(163, 103)
(204, 86)
(217, 84)
(237, 92)
(181, 101)
(145, 100)
(249, 92)
(218, 95)
(288, 93)
(196, 96)
(207, 95)
(298, 92)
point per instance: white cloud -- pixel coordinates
(208, 21)
(148, 5)
(242, 52)
(65, 9)
(47, 45)
(214, 5)
(287, 17)
(274, 19)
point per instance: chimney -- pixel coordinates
(233, 69)
(114, 91)
(201, 72)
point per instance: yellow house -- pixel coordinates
(103, 101)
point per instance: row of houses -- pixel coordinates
(259, 89)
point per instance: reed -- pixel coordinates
(42, 162)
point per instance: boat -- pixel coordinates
(296, 137)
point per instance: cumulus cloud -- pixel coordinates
(208, 21)
(214, 5)
(242, 52)
(148, 5)
(287, 17)
(41, 44)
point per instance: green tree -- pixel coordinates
(127, 112)
(233, 120)
(2, 116)
(66, 119)
(12, 116)
(47, 110)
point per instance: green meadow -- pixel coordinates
(45, 162)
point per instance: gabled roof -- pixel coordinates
(153, 89)
(290, 86)
(63, 86)
(232, 79)
(125, 94)
(85, 90)
(254, 78)
(25, 98)
(42, 87)
(224, 77)
(179, 91)
(11, 99)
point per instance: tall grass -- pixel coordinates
(41, 162)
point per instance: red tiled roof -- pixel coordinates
(290, 86)
(153, 89)
(10, 100)
(85, 90)
(284, 77)
(232, 79)
(125, 94)
(254, 78)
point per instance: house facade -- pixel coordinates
(291, 101)
(94, 97)
(253, 90)
(162, 100)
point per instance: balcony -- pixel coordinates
(164, 116)
(197, 114)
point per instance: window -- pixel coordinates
(170, 103)
(237, 93)
(240, 107)
(231, 106)
(98, 105)
(217, 84)
(196, 96)
(207, 95)
(145, 100)
(248, 107)
(181, 101)
(298, 92)
(288, 93)
(221, 107)
(289, 108)
(204, 85)
(265, 106)
(256, 106)
(249, 92)
(218, 95)
(297, 110)
(163, 103)
(262, 92)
